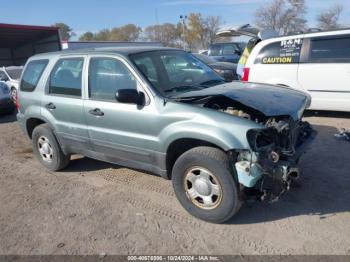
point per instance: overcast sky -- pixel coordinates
(93, 15)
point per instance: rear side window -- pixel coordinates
(32, 74)
(330, 50)
(229, 49)
(65, 78)
(281, 52)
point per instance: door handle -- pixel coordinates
(96, 112)
(50, 106)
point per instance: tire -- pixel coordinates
(187, 182)
(44, 141)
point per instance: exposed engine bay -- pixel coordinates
(271, 165)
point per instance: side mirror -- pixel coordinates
(130, 96)
(238, 52)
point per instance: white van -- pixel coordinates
(318, 63)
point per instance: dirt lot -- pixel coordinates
(95, 208)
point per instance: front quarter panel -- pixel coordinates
(224, 130)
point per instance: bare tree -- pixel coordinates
(283, 16)
(212, 24)
(328, 19)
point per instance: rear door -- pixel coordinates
(62, 103)
(325, 72)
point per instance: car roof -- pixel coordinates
(313, 34)
(125, 51)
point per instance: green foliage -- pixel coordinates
(65, 31)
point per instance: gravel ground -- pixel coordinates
(98, 208)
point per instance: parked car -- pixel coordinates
(203, 52)
(164, 111)
(11, 75)
(6, 103)
(225, 69)
(316, 63)
(226, 52)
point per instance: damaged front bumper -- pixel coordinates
(271, 169)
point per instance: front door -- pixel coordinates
(119, 132)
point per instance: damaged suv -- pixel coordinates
(164, 111)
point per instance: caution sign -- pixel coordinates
(283, 52)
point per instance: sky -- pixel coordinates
(93, 15)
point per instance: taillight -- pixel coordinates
(245, 76)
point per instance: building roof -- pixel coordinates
(12, 35)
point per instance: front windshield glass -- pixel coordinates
(174, 72)
(14, 73)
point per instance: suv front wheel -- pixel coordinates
(204, 184)
(47, 149)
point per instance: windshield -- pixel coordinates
(14, 73)
(174, 72)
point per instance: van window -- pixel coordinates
(281, 52)
(229, 49)
(32, 75)
(106, 76)
(330, 50)
(65, 78)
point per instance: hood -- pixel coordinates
(223, 65)
(268, 99)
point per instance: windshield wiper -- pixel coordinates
(178, 88)
(212, 81)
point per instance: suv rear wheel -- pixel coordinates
(47, 149)
(204, 184)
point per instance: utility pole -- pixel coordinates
(183, 20)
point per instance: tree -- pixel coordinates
(88, 36)
(212, 24)
(328, 19)
(283, 16)
(201, 31)
(127, 33)
(166, 33)
(65, 31)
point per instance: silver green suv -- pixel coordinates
(164, 111)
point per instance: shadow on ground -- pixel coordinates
(8, 118)
(331, 114)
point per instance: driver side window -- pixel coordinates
(106, 76)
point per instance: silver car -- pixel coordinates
(164, 111)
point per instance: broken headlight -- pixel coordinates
(259, 138)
